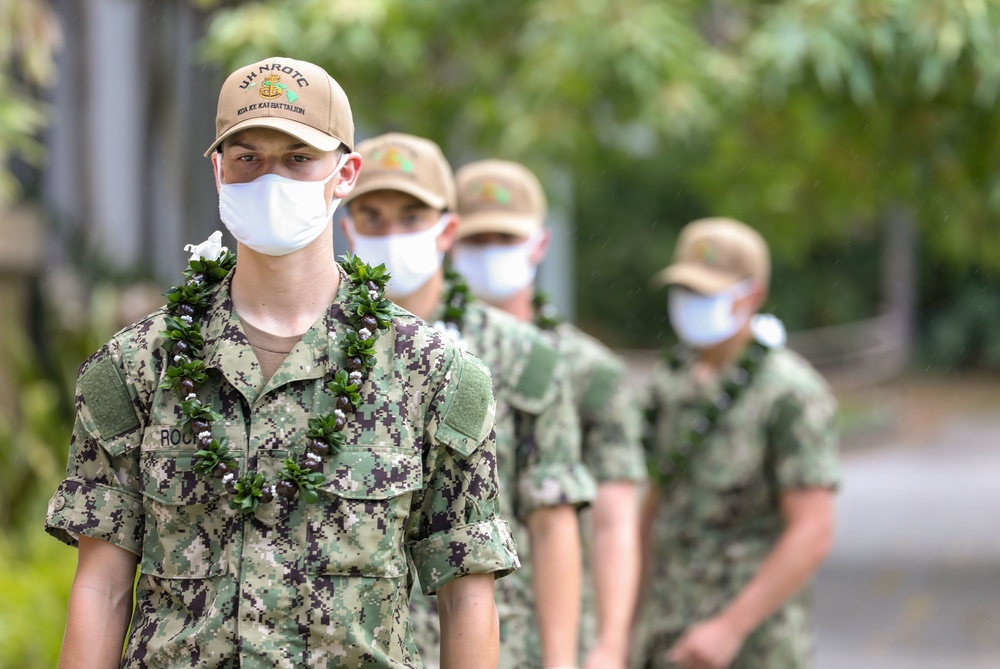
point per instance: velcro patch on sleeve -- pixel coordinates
(469, 410)
(107, 399)
(538, 371)
(604, 380)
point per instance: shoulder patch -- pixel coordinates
(470, 413)
(604, 381)
(107, 398)
(536, 379)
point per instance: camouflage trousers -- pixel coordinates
(783, 641)
(520, 647)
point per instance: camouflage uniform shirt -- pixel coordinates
(610, 425)
(296, 584)
(538, 458)
(717, 524)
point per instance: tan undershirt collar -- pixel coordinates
(271, 350)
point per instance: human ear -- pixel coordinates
(538, 255)
(348, 175)
(447, 237)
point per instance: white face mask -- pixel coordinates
(495, 272)
(275, 215)
(702, 321)
(411, 258)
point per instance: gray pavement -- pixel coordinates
(914, 578)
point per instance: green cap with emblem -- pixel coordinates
(713, 254)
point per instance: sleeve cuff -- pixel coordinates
(483, 548)
(555, 485)
(622, 463)
(96, 511)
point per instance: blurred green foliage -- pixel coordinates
(862, 106)
(35, 571)
(29, 33)
(964, 333)
(35, 578)
(809, 119)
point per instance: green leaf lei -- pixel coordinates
(546, 315)
(456, 297)
(369, 313)
(690, 438)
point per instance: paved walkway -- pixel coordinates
(914, 579)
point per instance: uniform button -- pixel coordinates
(60, 503)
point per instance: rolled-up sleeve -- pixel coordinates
(456, 529)
(550, 470)
(99, 498)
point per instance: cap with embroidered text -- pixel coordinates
(293, 96)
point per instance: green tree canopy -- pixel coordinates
(540, 81)
(862, 106)
(810, 119)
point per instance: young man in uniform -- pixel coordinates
(402, 214)
(279, 445)
(742, 452)
(502, 240)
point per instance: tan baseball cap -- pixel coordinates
(408, 164)
(499, 196)
(713, 254)
(292, 96)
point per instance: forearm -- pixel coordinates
(794, 559)
(615, 557)
(647, 515)
(555, 561)
(100, 607)
(470, 628)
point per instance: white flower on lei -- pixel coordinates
(768, 330)
(210, 249)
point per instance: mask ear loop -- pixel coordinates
(217, 164)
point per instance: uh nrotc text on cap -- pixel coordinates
(742, 453)
(502, 240)
(275, 505)
(402, 213)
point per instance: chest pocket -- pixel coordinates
(358, 526)
(187, 515)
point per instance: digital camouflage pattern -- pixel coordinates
(296, 585)
(718, 523)
(610, 426)
(538, 458)
(610, 417)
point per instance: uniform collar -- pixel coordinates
(226, 348)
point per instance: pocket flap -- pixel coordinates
(168, 477)
(373, 473)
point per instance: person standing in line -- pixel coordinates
(278, 446)
(742, 450)
(402, 214)
(502, 240)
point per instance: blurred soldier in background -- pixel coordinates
(501, 242)
(742, 456)
(402, 214)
